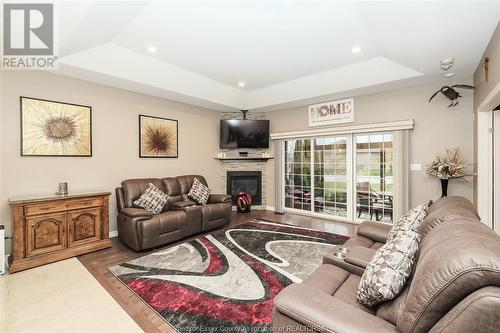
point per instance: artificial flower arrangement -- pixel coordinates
(448, 165)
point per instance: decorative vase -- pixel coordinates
(243, 202)
(444, 187)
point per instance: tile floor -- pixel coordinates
(59, 297)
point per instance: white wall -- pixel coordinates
(115, 140)
(436, 128)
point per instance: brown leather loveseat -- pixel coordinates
(454, 287)
(180, 218)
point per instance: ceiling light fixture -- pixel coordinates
(356, 49)
(241, 84)
(152, 49)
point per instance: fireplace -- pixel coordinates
(248, 181)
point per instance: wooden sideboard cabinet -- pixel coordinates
(48, 229)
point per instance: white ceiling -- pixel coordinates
(286, 52)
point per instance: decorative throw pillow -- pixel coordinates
(153, 199)
(199, 192)
(389, 269)
(410, 221)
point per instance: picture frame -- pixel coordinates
(331, 113)
(55, 129)
(158, 137)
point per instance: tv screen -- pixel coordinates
(244, 133)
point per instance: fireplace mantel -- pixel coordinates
(245, 159)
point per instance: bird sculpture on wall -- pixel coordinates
(450, 93)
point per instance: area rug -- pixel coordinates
(227, 280)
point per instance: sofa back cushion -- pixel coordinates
(454, 201)
(173, 189)
(449, 213)
(455, 260)
(133, 188)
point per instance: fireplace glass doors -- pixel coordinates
(247, 181)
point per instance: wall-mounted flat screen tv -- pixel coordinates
(244, 133)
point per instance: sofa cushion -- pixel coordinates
(336, 282)
(389, 268)
(327, 278)
(152, 200)
(450, 211)
(320, 312)
(199, 192)
(410, 221)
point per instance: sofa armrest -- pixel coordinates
(359, 256)
(179, 205)
(136, 212)
(376, 231)
(219, 198)
(331, 259)
(322, 312)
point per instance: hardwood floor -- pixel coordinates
(97, 264)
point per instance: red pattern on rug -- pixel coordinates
(173, 297)
(215, 265)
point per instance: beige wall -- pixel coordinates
(436, 128)
(115, 140)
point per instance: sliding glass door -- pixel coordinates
(374, 177)
(331, 183)
(346, 177)
(298, 174)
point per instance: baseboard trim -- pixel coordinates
(271, 208)
(113, 233)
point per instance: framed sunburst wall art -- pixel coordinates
(50, 128)
(158, 137)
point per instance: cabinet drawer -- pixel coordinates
(62, 206)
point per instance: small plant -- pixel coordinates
(448, 165)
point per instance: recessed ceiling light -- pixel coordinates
(356, 49)
(152, 49)
(241, 84)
